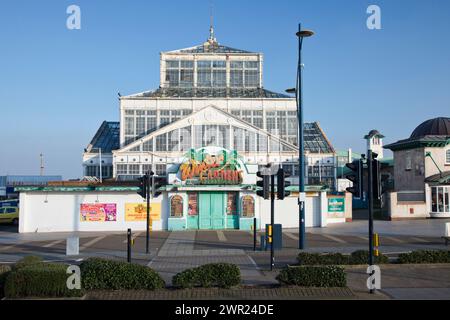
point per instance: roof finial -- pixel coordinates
(211, 25)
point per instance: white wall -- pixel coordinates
(61, 212)
(287, 211)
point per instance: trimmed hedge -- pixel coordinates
(105, 274)
(357, 257)
(4, 272)
(313, 276)
(425, 256)
(27, 261)
(39, 280)
(222, 275)
(362, 257)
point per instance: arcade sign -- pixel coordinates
(212, 166)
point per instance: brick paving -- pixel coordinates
(243, 293)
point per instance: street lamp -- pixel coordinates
(301, 34)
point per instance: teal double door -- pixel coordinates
(212, 210)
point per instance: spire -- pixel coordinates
(212, 39)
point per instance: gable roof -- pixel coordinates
(207, 112)
(210, 48)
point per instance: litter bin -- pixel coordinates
(277, 237)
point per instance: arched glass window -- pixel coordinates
(176, 207)
(248, 207)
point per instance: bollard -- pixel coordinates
(72, 246)
(376, 244)
(129, 246)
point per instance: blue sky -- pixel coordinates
(57, 85)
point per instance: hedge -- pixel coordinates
(105, 274)
(357, 257)
(222, 275)
(362, 257)
(4, 271)
(313, 276)
(39, 280)
(27, 261)
(425, 256)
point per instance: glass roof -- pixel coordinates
(212, 93)
(215, 48)
(106, 138)
(315, 140)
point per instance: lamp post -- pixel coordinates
(301, 34)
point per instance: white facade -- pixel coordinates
(42, 212)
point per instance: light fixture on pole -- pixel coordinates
(301, 34)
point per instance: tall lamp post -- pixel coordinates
(301, 34)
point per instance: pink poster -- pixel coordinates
(99, 212)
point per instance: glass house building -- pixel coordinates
(208, 127)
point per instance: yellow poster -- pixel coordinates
(138, 211)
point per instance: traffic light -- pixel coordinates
(143, 181)
(264, 184)
(282, 184)
(376, 177)
(157, 182)
(356, 177)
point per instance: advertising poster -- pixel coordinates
(336, 207)
(138, 212)
(98, 212)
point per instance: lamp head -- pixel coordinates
(305, 33)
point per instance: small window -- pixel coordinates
(231, 203)
(176, 207)
(193, 203)
(10, 210)
(408, 162)
(248, 207)
(447, 156)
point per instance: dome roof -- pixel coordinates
(433, 127)
(373, 133)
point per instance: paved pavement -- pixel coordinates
(172, 252)
(418, 282)
(243, 293)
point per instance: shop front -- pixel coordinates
(210, 190)
(210, 210)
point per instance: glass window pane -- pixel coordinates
(236, 64)
(192, 203)
(251, 78)
(232, 203)
(248, 207)
(161, 142)
(187, 64)
(176, 207)
(236, 78)
(251, 64)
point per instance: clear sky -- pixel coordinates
(58, 85)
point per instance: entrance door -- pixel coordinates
(212, 210)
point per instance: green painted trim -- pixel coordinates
(417, 144)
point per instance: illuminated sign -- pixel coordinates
(211, 167)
